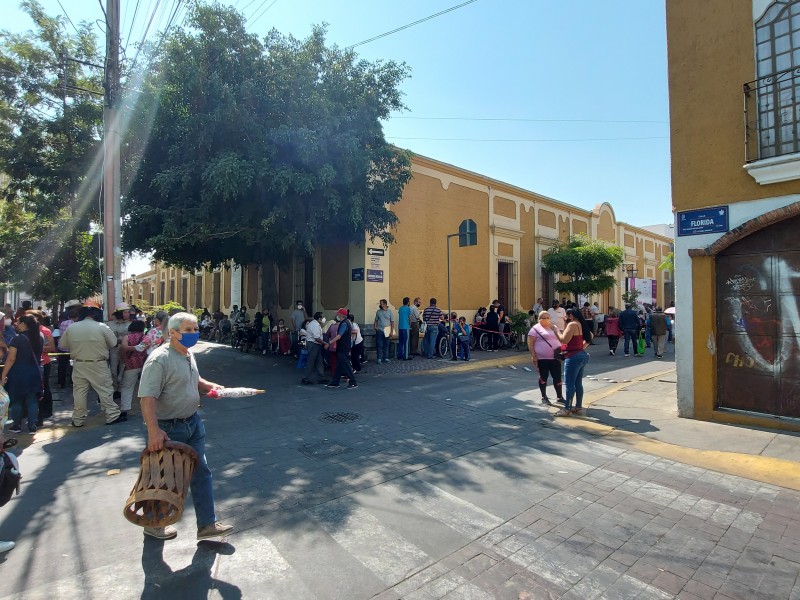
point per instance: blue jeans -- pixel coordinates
(573, 378)
(264, 340)
(463, 344)
(20, 402)
(631, 334)
(429, 341)
(382, 345)
(191, 431)
(402, 344)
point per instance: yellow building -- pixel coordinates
(515, 227)
(734, 91)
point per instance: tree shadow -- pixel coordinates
(193, 581)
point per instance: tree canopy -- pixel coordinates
(255, 150)
(50, 134)
(586, 263)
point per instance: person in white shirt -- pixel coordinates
(315, 346)
(558, 316)
(599, 317)
(538, 307)
(357, 344)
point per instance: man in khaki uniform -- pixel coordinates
(89, 341)
(119, 325)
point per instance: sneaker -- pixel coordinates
(161, 533)
(611, 352)
(305, 381)
(626, 354)
(386, 360)
(379, 361)
(215, 530)
(332, 385)
(263, 353)
(560, 401)
(120, 419)
(564, 412)
(32, 429)
(352, 384)
(15, 429)
(6, 546)
(547, 402)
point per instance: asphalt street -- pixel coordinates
(439, 484)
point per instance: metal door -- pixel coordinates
(758, 322)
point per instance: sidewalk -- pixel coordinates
(642, 414)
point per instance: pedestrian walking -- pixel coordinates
(658, 331)
(612, 331)
(119, 325)
(543, 344)
(357, 340)
(89, 341)
(315, 346)
(629, 324)
(343, 342)
(169, 390)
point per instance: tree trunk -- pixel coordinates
(269, 285)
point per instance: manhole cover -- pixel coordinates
(339, 417)
(324, 449)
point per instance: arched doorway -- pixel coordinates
(758, 321)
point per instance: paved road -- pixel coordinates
(456, 485)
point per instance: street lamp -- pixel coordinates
(467, 236)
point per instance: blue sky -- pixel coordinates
(499, 86)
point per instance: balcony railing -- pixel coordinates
(772, 115)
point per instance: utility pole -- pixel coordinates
(112, 248)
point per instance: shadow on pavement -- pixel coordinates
(632, 425)
(193, 581)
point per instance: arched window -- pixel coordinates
(778, 69)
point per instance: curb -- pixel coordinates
(766, 469)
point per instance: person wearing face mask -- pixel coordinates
(170, 388)
(89, 342)
(343, 342)
(315, 346)
(298, 317)
(9, 333)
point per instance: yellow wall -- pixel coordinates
(427, 214)
(710, 51)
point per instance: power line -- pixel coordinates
(130, 30)
(428, 18)
(655, 137)
(518, 120)
(263, 13)
(64, 10)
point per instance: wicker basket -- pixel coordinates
(158, 497)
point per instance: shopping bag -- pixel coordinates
(640, 345)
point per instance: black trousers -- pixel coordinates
(46, 403)
(343, 367)
(64, 370)
(550, 367)
(355, 356)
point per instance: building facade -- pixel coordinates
(515, 228)
(734, 84)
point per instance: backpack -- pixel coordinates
(9, 477)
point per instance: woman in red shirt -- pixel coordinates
(134, 361)
(577, 336)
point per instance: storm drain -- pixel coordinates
(324, 449)
(339, 417)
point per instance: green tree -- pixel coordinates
(254, 151)
(586, 263)
(50, 138)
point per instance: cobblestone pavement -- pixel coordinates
(453, 485)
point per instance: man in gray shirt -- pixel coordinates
(299, 317)
(170, 389)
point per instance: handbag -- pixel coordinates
(641, 345)
(423, 327)
(558, 353)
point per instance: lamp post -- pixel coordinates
(467, 236)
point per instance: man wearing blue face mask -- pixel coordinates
(170, 388)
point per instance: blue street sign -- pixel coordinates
(358, 274)
(375, 275)
(704, 220)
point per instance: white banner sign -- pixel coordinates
(236, 285)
